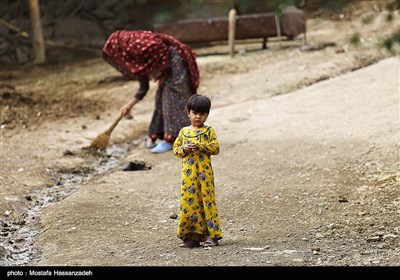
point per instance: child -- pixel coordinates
(198, 219)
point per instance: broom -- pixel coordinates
(101, 141)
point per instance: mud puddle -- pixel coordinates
(19, 229)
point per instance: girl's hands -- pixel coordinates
(190, 148)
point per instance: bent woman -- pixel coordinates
(145, 56)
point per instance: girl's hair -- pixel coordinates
(199, 104)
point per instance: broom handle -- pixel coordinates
(114, 124)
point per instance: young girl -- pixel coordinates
(198, 219)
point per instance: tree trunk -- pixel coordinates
(39, 55)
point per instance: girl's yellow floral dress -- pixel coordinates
(198, 211)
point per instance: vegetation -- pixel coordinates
(389, 42)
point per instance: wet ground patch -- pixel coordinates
(19, 227)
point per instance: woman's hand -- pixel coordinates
(126, 109)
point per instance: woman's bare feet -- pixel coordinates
(149, 143)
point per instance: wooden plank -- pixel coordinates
(196, 31)
(253, 26)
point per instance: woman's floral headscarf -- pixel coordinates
(136, 53)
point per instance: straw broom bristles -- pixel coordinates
(101, 141)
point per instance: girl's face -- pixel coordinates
(197, 119)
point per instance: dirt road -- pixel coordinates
(308, 173)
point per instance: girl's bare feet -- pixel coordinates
(190, 244)
(210, 242)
